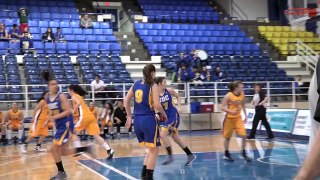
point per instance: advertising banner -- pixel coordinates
(302, 124)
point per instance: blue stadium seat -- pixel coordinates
(64, 24)
(54, 24)
(75, 24)
(3, 47)
(98, 31)
(104, 25)
(77, 31)
(72, 48)
(95, 25)
(94, 48)
(105, 48)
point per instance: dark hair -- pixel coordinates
(47, 76)
(110, 106)
(58, 27)
(97, 75)
(159, 80)
(234, 85)
(257, 84)
(78, 89)
(147, 70)
(120, 100)
(14, 25)
(42, 96)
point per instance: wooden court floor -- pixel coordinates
(38, 166)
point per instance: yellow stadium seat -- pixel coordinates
(284, 40)
(293, 34)
(270, 29)
(278, 28)
(262, 28)
(308, 34)
(284, 34)
(286, 28)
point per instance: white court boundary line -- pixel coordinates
(13, 172)
(110, 167)
(283, 164)
(91, 170)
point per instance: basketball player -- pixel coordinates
(87, 120)
(233, 104)
(171, 126)
(106, 118)
(146, 100)
(2, 128)
(15, 122)
(61, 115)
(38, 127)
(94, 110)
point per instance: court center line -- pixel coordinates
(110, 167)
(93, 171)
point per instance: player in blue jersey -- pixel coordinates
(61, 115)
(146, 100)
(171, 126)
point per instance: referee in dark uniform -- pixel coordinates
(259, 100)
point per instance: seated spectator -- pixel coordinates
(15, 122)
(3, 31)
(186, 74)
(48, 35)
(59, 36)
(85, 22)
(106, 120)
(26, 42)
(97, 86)
(120, 117)
(218, 74)
(14, 32)
(202, 75)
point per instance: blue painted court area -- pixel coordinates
(276, 163)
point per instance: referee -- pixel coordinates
(259, 100)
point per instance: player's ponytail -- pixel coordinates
(77, 89)
(159, 80)
(147, 73)
(42, 96)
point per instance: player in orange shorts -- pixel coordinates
(38, 127)
(106, 118)
(2, 128)
(233, 104)
(15, 121)
(87, 120)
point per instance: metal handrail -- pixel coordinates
(306, 55)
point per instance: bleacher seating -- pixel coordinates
(163, 39)
(179, 11)
(52, 13)
(284, 39)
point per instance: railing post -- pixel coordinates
(293, 105)
(268, 93)
(26, 98)
(124, 90)
(188, 95)
(215, 96)
(93, 98)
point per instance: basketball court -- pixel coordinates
(278, 159)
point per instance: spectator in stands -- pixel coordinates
(106, 120)
(85, 22)
(3, 31)
(14, 32)
(97, 86)
(218, 74)
(48, 35)
(26, 42)
(23, 17)
(202, 75)
(59, 36)
(120, 117)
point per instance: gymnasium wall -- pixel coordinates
(253, 9)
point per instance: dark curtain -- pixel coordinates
(276, 10)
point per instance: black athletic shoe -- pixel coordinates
(110, 154)
(228, 157)
(250, 137)
(246, 158)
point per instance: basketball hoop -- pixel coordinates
(298, 17)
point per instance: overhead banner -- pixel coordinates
(302, 124)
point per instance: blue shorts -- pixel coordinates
(172, 124)
(64, 132)
(147, 130)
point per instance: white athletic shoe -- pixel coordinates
(23, 148)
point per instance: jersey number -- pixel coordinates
(138, 96)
